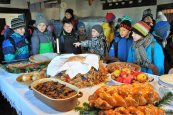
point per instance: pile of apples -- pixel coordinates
(127, 76)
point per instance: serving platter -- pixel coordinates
(46, 57)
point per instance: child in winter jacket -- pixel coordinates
(82, 34)
(97, 43)
(42, 40)
(121, 44)
(15, 46)
(161, 33)
(108, 27)
(145, 51)
(67, 37)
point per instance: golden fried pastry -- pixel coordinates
(125, 95)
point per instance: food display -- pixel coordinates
(128, 76)
(140, 110)
(58, 94)
(126, 95)
(55, 90)
(25, 67)
(93, 77)
(28, 78)
(121, 65)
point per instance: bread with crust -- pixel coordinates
(76, 58)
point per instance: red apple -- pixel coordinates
(119, 79)
(123, 74)
(128, 79)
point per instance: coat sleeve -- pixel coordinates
(35, 44)
(130, 55)
(159, 58)
(112, 51)
(85, 43)
(8, 50)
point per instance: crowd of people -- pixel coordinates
(148, 43)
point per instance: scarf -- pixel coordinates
(140, 53)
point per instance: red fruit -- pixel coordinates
(67, 78)
(123, 74)
(128, 80)
(131, 76)
(135, 73)
(119, 79)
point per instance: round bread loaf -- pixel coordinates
(76, 58)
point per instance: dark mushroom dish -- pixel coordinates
(55, 90)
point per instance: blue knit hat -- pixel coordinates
(98, 28)
(126, 18)
(161, 28)
(80, 24)
(40, 18)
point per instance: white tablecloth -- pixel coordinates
(24, 101)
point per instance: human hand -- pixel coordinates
(153, 68)
(77, 44)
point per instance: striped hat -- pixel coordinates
(17, 23)
(141, 28)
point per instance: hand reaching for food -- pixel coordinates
(77, 44)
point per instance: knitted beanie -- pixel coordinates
(146, 13)
(98, 28)
(161, 17)
(70, 11)
(110, 17)
(17, 23)
(80, 24)
(161, 28)
(126, 24)
(141, 28)
(40, 18)
(126, 18)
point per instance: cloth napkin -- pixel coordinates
(59, 64)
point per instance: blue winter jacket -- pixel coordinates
(21, 50)
(123, 48)
(155, 55)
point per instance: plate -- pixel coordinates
(28, 78)
(166, 80)
(46, 57)
(120, 65)
(25, 67)
(150, 79)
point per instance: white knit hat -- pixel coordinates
(161, 16)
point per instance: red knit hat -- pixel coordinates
(110, 17)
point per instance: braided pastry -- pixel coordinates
(140, 110)
(136, 94)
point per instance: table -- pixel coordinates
(24, 101)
